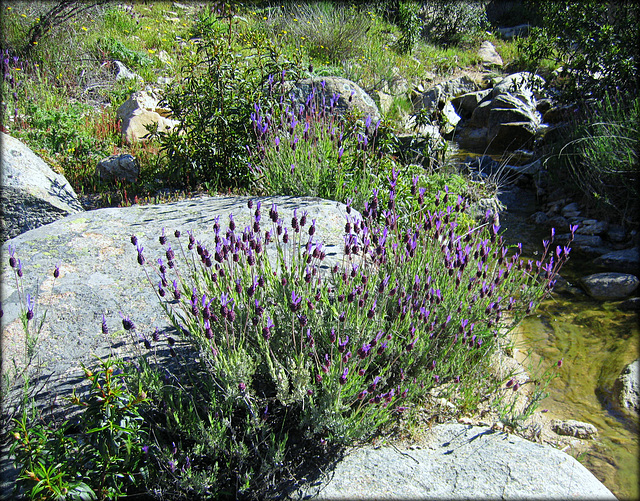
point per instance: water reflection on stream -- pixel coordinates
(596, 341)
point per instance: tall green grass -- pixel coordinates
(601, 156)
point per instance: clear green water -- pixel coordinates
(596, 342)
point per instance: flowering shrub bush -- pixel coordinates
(313, 149)
(286, 352)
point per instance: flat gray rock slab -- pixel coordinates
(458, 462)
(99, 273)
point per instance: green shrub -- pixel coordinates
(450, 23)
(328, 33)
(595, 42)
(112, 49)
(410, 26)
(213, 104)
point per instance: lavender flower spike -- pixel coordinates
(30, 305)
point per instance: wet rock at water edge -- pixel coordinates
(573, 428)
(610, 286)
(592, 227)
(623, 261)
(626, 389)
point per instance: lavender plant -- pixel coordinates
(331, 358)
(32, 321)
(11, 83)
(313, 149)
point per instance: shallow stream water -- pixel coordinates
(596, 341)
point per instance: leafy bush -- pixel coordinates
(410, 26)
(213, 104)
(595, 43)
(111, 49)
(97, 455)
(450, 23)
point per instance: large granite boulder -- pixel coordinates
(32, 194)
(624, 261)
(436, 97)
(457, 461)
(350, 95)
(465, 104)
(506, 118)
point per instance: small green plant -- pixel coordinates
(329, 34)
(110, 48)
(97, 455)
(601, 155)
(410, 26)
(514, 411)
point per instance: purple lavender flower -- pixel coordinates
(294, 305)
(105, 329)
(266, 330)
(162, 238)
(56, 271)
(141, 259)
(343, 377)
(127, 323)
(30, 306)
(364, 351)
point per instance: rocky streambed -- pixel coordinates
(597, 338)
